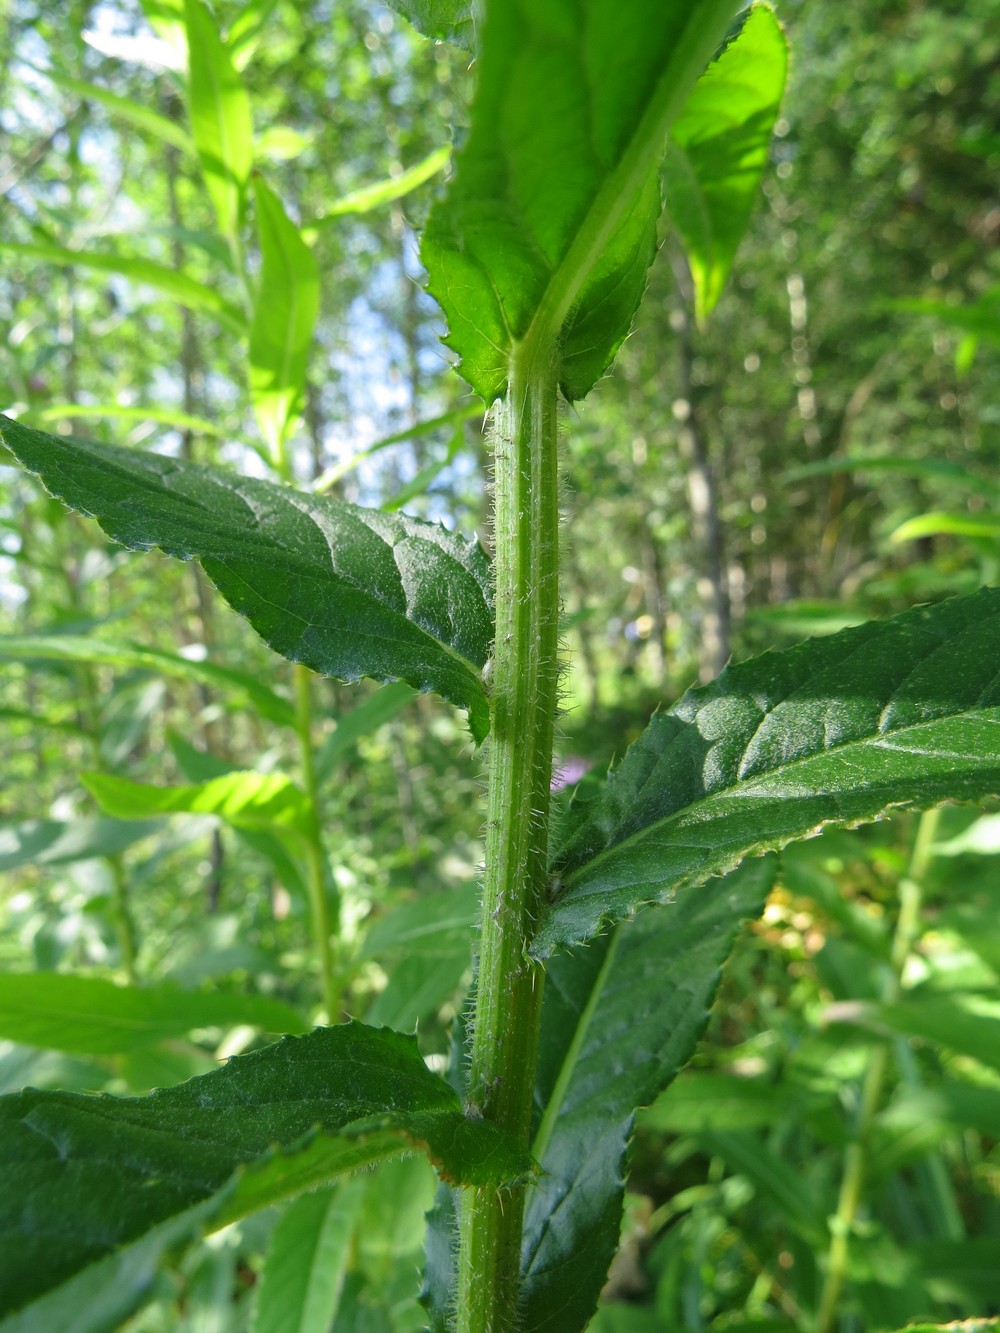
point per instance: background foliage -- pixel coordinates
(820, 448)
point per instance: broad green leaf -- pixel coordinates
(350, 592)
(300, 1283)
(718, 150)
(619, 1019)
(370, 197)
(444, 20)
(245, 800)
(284, 316)
(431, 924)
(180, 287)
(549, 224)
(53, 842)
(91, 1016)
(221, 124)
(86, 1178)
(142, 117)
(247, 30)
(835, 731)
(375, 712)
(939, 524)
(246, 690)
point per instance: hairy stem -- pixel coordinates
(856, 1154)
(525, 679)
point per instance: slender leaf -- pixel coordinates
(370, 197)
(549, 223)
(938, 524)
(301, 1281)
(333, 474)
(245, 800)
(142, 117)
(834, 731)
(91, 1016)
(284, 317)
(375, 712)
(620, 1018)
(350, 592)
(166, 416)
(965, 1024)
(444, 20)
(246, 690)
(221, 124)
(87, 1177)
(717, 151)
(179, 286)
(53, 842)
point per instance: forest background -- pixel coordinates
(822, 448)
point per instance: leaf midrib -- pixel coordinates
(622, 185)
(732, 789)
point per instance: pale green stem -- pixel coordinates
(320, 903)
(524, 686)
(856, 1154)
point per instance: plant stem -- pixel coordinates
(319, 898)
(525, 682)
(856, 1154)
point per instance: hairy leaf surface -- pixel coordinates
(549, 224)
(619, 1019)
(92, 1016)
(350, 592)
(85, 1177)
(834, 731)
(718, 150)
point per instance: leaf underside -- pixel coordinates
(565, 94)
(834, 731)
(620, 1018)
(85, 1176)
(349, 592)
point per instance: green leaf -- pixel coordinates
(549, 225)
(718, 150)
(956, 1326)
(444, 20)
(350, 592)
(245, 690)
(370, 197)
(965, 1024)
(180, 287)
(454, 418)
(938, 524)
(91, 1016)
(85, 1178)
(300, 1283)
(834, 731)
(53, 842)
(244, 800)
(106, 1292)
(284, 317)
(221, 124)
(375, 712)
(166, 416)
(142, 117)
(619, 1019)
